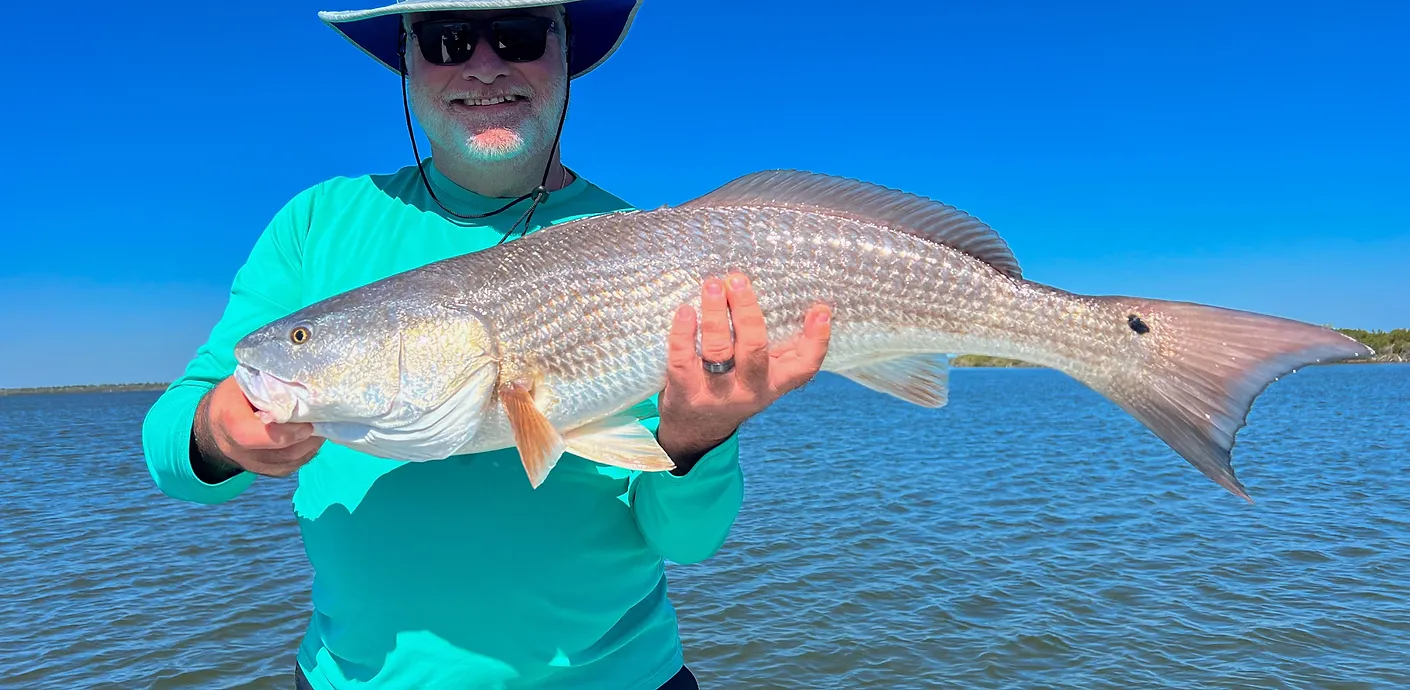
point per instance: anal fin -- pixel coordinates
(918, 379)
(619, 441)
(540, 445)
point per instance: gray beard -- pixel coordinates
(489, 173)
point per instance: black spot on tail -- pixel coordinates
(1137, 324)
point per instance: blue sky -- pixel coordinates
(1252, 155)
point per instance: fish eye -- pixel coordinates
(299, 335)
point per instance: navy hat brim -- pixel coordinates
(598, 26)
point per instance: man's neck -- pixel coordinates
(502, 179)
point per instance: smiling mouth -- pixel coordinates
(492, 100)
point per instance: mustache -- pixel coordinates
(517, 92)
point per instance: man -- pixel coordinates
(455, 573)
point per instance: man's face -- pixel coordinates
(487, 109)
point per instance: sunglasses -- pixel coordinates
(513, 39)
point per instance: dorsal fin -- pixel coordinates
(863, 201)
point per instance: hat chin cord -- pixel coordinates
(539, 194)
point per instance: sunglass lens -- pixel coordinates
(514, 39)
(519, 39)
(446, 43)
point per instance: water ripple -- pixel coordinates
(1029, 535)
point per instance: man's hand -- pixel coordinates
(231, 438)
(700, 409)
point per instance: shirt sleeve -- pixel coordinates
(686, 519)
(266, 287)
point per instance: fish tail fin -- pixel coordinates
(1200, 369)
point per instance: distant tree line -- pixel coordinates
(1385, 343)
(1390, 346)
(88, 388)
(986, 361)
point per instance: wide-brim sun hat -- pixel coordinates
(598, 26)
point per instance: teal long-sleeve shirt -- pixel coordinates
(454, 573)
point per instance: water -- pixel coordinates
(1030, 535)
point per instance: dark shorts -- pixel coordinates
(683, 680)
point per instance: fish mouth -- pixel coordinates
(275, 400)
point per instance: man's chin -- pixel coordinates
(495, 145)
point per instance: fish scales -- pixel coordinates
(600, 338)
(540, 343)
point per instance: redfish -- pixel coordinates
(548, 342)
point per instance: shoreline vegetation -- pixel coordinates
(1390, 346)
(89, 388)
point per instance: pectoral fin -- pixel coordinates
(918, 379)
(619, 441)
(540, 445)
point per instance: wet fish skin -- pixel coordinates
(567, 327)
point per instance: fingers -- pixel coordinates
(274, 450)
(682, 364)
(759, 374)
(817, 332)
(285, 435)
(250, 433)
(751, 338)
(235, 419)
(804, 358)
(715, 341)
(284, 461)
